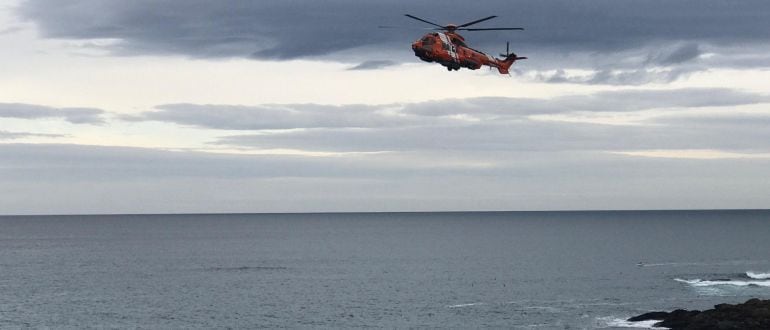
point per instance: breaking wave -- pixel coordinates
(693, 263)
(465, 305)
(758, 276)
(723, 282)
(621, 323)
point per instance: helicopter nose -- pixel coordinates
(416, 47)
(418, 50)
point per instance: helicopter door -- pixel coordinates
(449, 46)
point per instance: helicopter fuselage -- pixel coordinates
(449, 50)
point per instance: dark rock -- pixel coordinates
(678, 319)
(751, 315)
(753, 301)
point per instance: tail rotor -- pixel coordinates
(507, 59)
(508, 56)
(507, 50)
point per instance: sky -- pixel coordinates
(193, 106)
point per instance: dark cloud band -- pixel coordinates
(5, 135)
(32, 111)
(304, 28)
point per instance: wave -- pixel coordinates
(758, 276)
(722, 282)
(465, 305)
(695, 263)
(245, 268)
(644, 264)
(611, 322)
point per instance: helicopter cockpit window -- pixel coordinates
(427, 41)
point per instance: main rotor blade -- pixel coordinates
(492, 29)
(422, 20)
(403, 27)
(476, 21)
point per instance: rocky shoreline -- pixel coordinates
(753, 314)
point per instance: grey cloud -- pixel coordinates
(608, 101)
(683, 53)
(634, 77)
(276, 116)
(659, 63)
(10, 30)
(263, 29)
(740, 60)
(5, 135)
(437, 113)
(736, 120)
(293, 29)
(373, 65)
(506, 124)
(631, 100)
(519, 136)
(31, 111)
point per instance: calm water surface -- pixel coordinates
(509, 269)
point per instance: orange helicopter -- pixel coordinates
(449, 49)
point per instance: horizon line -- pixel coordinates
(385, 212)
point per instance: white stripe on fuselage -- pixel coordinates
(452, 52)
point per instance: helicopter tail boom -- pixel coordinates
(505, 64)
(508, 58)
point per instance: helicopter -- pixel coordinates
(448, 48)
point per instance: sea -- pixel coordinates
(519, 270)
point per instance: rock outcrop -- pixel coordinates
(753, 314)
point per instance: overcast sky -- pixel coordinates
(111, 106)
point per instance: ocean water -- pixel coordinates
(550, 270)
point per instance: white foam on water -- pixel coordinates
(465, 305)
(612, 322)
(642, 264)
(692, 263)
(758, 276)
(702, 283)
(695, 281)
